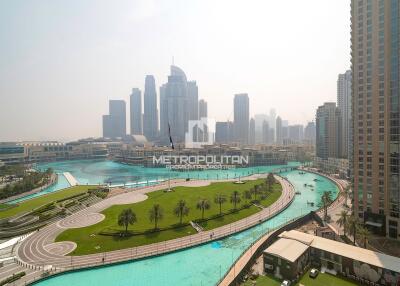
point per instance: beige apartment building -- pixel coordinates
(375, 68)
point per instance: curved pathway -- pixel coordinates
(39, 250)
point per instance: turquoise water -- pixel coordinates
(100, 172)
(117, 174)
(201, 265)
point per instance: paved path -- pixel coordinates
(40, 250)
(71, 179)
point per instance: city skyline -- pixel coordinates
(103, 75)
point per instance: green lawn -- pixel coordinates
(89, 239)
(263, 281)
(34, 203)
(323, 279)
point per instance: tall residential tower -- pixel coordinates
(375, 41)
(136, 111)
(150, 116)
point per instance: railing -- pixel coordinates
(122, 256)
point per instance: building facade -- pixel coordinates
(279, 133)
(203, 112)
(241, 118)
(193, 100)
(344, 105)
(328, 131)
(136, 111)
(150, 115)
(114, 124)
(309, 133)
(223, 132)
(376, 109)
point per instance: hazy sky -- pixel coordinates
(60, 61)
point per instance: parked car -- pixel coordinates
(314, 273)
(286, 283)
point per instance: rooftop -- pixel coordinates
(356, 253)
(287, 249)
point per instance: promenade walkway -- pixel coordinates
(40, 251)
(71, 179)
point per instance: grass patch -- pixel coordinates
(29, 205)
(90, 240)
(325, 279)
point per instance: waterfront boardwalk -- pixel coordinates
(71, 180)
(39, 251)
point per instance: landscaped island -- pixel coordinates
(167, 215)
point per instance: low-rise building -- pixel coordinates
(294, 250)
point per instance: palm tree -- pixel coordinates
(125, 218)
(364, 234)
(352, 224)
(203, 204)
(246, 195)
(181, 210)
(343, 220)
(156, 213)
(255, 191)
(326, 200)
(270, 180)
(220, 199)
(235, 199)
(346, 193)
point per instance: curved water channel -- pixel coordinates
(204, 264)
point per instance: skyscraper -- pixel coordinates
(266, 133)
(344, 104)
(203, 108)
(309, 133)
(223, 132)
(163, 113)
(279, 133)
(114, 124)
(328, 131)
(150, 116)
(193, 100)
(259, 120)
(252, 132)
(175, 104)
(376, 114)
(136, 111)
(241, 117)
(296, 133)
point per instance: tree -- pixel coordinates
(346, 193)
(343, 220)
(364, 234)
(220, 199)
(352, 225)
(246, 195)
(255, 191)
(181, 210)
(235, 199)
(270, 180)
(125, 218)
(156, 213)
(203, 204)
(326, 200)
